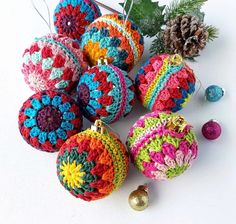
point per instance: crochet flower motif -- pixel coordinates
(170, 163)
(71, 18)
(70, 21)
(48, 118)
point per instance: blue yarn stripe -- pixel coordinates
(170, 71)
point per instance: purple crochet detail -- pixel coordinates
(49, 119)
(84, 94)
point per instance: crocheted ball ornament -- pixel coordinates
(53, 63)
(162, 145)
(111, 37)
(72, 17)
(105, 92)
(165, 83)
(48, 118)
(91, 165)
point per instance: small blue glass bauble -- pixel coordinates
(214, 93)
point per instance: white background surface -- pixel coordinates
(30, 192)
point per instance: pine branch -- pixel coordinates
(158, 46)
(181, 7)
(213, 32)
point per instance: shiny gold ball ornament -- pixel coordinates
(138, 199)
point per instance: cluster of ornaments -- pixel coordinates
(90, 57)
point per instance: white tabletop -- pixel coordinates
(30, 192)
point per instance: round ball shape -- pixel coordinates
(72, 17)
(164, 85)
(138, 199)
(211, 130)
(105, 92)
(53, 63)
(91, 165)
(214, 93)
(110, 37)
(158, 151)
(48, 118)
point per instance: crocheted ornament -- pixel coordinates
(47, 119)
(111, 37)
(162, 145)
(92, 164)
(53, 62)
(105, 92)
(72, 17)
(165, 83)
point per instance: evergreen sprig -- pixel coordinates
(182, 7)
(213, 32)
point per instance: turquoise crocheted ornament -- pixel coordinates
(105, 92)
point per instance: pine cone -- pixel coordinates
(185, 35)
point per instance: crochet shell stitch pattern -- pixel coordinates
(48, 118)
(91, 165)
(72, 17)
(105, 92)
(159, 152)
(163, 84)
(53, 62)
(111, 37)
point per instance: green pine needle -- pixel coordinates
(158, 46)
(181, 7)
(213, 32)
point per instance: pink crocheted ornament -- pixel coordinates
(53, 62)
(165, 83)
(162, 145)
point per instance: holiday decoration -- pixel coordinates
(211, 130)
(177, 28)
(105, 92)
(165, 82)
(47, 119)
(115, 38)
(162, 145)
(72, 17)
(138, 199)
(92, 164)
(53, 63)
(214, 93)
(185, 35)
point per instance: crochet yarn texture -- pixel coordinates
(53, 63)
(72, 17)
(111, 37)
(47, 119)
(159, 151)
(105, 92)
(92, 165)
(162, 84)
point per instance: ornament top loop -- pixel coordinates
(98, 127)
(177, 124)
(102, 61)
(176, 59)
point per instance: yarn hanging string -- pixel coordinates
(48, 22)
(130, 9)
(117, 12)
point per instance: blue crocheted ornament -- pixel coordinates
(105, 92)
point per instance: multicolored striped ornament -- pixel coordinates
(111, 37)
(162, 145)
(53, 62)
(72, 17)
(48, 118)
(92, 164)
(165, 83)
(105, 92)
